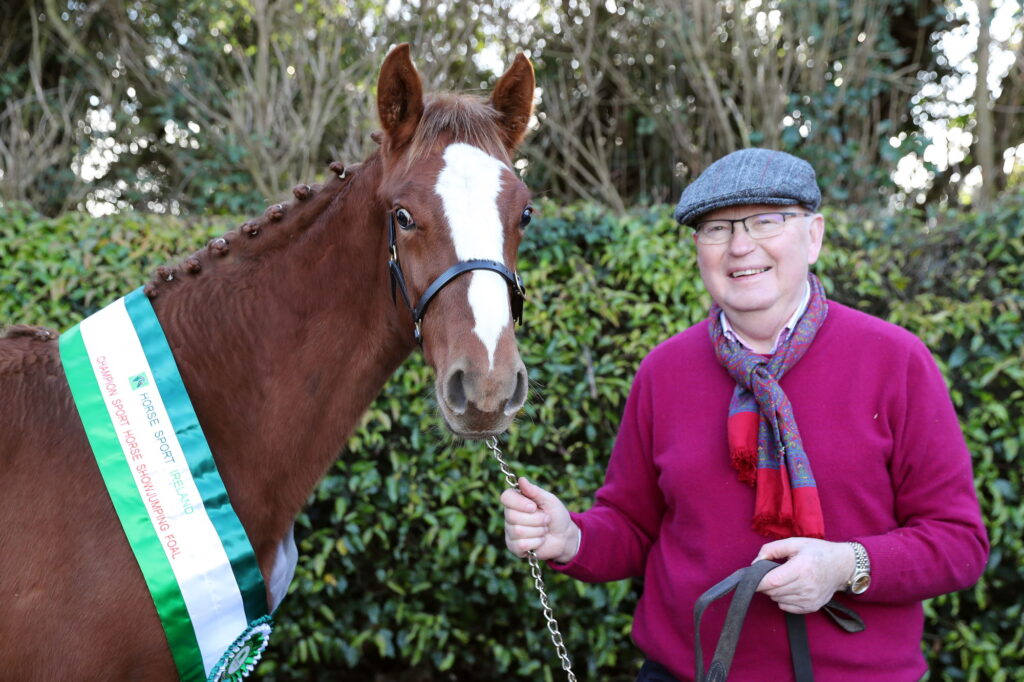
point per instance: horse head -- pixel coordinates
(456, 211)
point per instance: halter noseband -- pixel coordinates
(515, 282)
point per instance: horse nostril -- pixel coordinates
(518, 395)
(455, 391)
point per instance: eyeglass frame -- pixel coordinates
(786, 215)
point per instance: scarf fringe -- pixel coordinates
(744, 460)
(772, 526)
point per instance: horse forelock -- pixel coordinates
(449, 118)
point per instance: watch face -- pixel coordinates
(860, 583)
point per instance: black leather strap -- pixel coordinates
(517, 292)
(799, 649)
(515, 284)
(745, 582)
(843, 616)
(398, 277)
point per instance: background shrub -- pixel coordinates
(402, 572)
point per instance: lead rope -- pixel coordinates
(538, 581)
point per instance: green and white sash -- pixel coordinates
(194, 554)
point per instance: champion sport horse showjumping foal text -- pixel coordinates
(218, 394)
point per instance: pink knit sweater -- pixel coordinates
(892, 471)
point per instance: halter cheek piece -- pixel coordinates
(515, 282)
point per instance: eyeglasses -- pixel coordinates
(758, 226)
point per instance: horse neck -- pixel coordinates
(283, 350)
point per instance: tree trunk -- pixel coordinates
(984, 134)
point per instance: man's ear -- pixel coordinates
(817, 235)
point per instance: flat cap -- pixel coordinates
(750, 176)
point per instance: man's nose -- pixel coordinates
(740, 241)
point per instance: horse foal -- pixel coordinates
(293, 318)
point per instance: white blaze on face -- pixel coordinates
(469, 185)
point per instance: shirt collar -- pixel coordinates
(790, 324)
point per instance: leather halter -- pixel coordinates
(515, 283)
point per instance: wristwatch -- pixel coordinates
(861, 578)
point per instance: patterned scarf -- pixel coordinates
(764, 441)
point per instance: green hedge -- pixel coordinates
(403, 574)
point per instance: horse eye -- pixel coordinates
(404, 219)
(524, 220)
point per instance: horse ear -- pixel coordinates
(513, 99)
(399, 97)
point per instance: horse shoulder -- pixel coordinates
(66, 572)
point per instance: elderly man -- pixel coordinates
(785, 427)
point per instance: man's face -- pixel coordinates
(747, 275)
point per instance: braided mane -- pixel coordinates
(446, 117)
(278, 226)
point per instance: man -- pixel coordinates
(784, 427)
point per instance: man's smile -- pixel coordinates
(747, 272)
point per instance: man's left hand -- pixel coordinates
(813, 572)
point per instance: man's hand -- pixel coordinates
(813, 572)
(535, 519)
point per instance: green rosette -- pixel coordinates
(241, 657)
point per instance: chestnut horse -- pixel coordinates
(284, 331)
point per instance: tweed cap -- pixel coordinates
(750, 176)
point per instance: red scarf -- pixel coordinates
(764, 441)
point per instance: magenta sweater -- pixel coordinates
(892, 470)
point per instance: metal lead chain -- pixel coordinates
(538, 581)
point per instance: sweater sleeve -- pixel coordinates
(618, 531)
(940, 544)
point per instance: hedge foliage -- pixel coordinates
(403, 573)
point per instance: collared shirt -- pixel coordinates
(790, 324)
